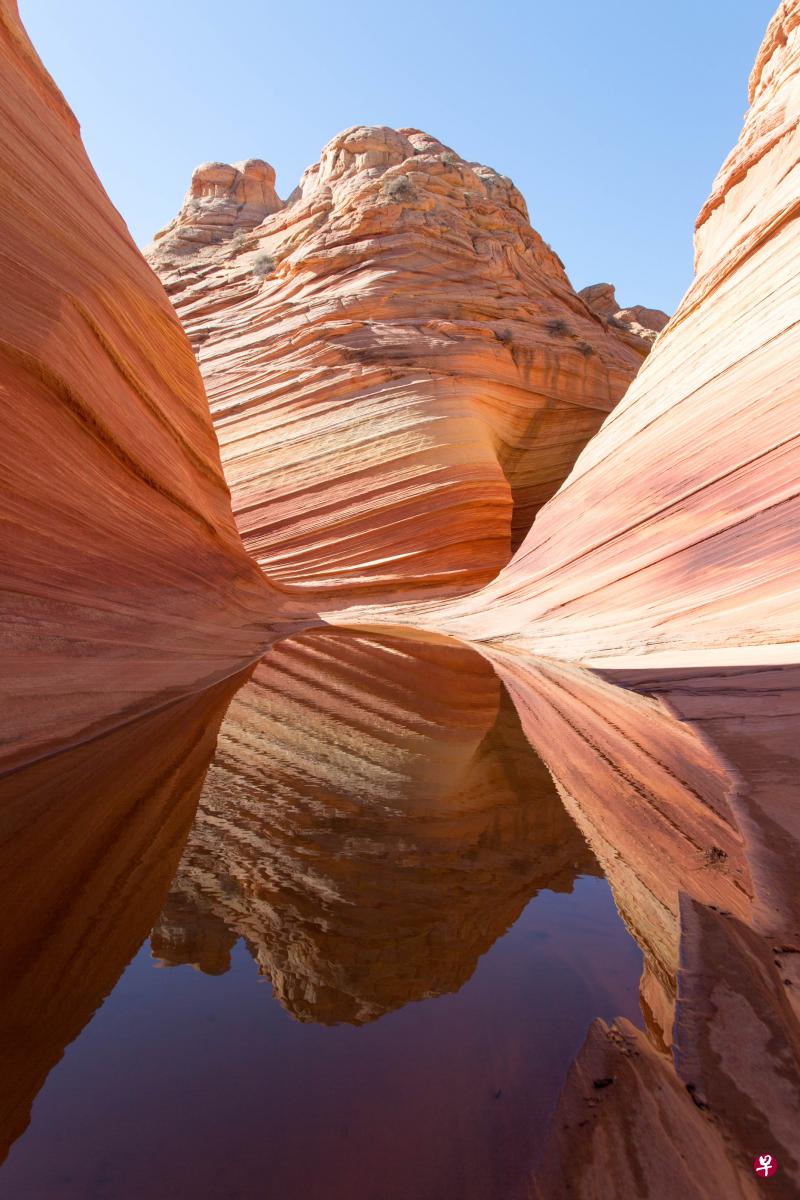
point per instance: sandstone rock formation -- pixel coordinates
(89, 841)
(684, 784)
(677, 531)
(374, 820)
(123, 580)
(223, 200)
(638, 321)
(627, 1124)
(399, 371)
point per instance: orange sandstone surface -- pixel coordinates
(677, 532)
(399, 371)
(123, 579)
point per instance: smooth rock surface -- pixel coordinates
(123, 581)
(684, 784)
(399, 371)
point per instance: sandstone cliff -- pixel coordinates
(399, 371)
(123, 580)
(677, 531)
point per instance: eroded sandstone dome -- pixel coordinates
(399, 370)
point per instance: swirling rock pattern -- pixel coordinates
(399, 371)
(678, 530)
(123, 580)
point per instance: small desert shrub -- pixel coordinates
(449, 158)
(504, 335)
(585, 348)
(238, 240)
(557, 328)
(714, 856)
(398, 187)
(263, 265)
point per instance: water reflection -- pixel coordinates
(374, 820)
(685, 784)
(426, 904)
(89, 842)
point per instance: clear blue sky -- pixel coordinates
(611, 117)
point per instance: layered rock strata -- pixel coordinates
(676, 532)
(399, 371)
(122, 578)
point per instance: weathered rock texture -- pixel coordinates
(122, 577)
(89, 840)
(678, 530)
(399, 371)
(374, 820)
(223, 200)
(638, 321)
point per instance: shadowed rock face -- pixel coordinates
(399, 371)
(676, 532)
(89, 841)
(123, 581)
(373, 822)
(629, 1124)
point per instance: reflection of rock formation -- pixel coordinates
(651, 797)
(122, 578)
(400, 372)
(373, 821)
(89, 841)
(685, 787)
(677, 529)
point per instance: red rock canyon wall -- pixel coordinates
(123, 578)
